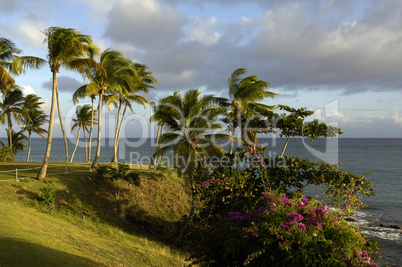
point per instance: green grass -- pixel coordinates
(93, 223)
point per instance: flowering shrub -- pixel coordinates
(278, 231)
(341, 189)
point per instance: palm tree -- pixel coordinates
(189, 121)
(34, 118)
(33, 122)
(9, 108)
(244, 94)
(157, 109)
(7, 53)
(10, 63)
(18, 144)
(116, 73)
(82, 93)
(71, 49)
(142, 83)
(83, 118)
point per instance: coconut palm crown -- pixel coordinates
(191, 129)
(244, 94)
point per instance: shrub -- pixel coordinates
(106, 171)
(252, 217)
(279, 231)
(6, 154)
(48, 194)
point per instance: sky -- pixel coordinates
(345, 54)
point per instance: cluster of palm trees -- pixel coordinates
(26, 110)
(191, 121)
(115, 79)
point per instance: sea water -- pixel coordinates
(382, 157)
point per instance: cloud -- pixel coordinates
(27, 89)
(201, 31)
(98, 7)
(386, 126)
(65, 83)
(397, 117)
(8, 7)
(144, 23)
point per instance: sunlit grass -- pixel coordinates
(87, 227)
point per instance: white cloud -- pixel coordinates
(27, 89)
(30, 30)
(397, 117)
(201, 31)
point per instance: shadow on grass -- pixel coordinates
(14, 252)
(88, 196)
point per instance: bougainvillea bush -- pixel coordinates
(277, 231)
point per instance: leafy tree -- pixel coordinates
(294, 124)
(244, 94)
(82, 120)
(73, 50)
(11, 108)
(34, 118)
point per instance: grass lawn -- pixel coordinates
(88, 225)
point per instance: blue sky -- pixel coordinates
(312, 52)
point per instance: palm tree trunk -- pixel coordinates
(76, 144)
(10, 126)
(86, 143)
(231, 141)
(96, 159)
(90, 131)
(42, 172)
(29, 146)
(284, 147)
(114, 159)
(160, 156)
(119, 132)
(157, 142)
(255, 139)
(61, 123)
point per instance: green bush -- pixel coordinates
(48, 194)
(252, 217)
(279, 232)
(107, 172)
(6, 154)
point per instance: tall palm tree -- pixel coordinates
(83, 118)
(73, 50)
(10, 63)
(82, 93)
(190, 121)
(244, 94)
(11, 107)
(33, 122)
(116, 73)
(142, 83)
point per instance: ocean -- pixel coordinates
(382, 157)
